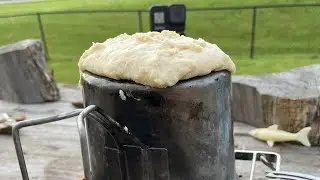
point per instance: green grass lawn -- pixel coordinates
(285, 38)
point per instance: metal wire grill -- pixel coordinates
(269, 159)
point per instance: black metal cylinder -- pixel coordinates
(192, 119)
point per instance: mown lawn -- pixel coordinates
(285, 38)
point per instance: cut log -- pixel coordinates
(289, 99)
(24, 75)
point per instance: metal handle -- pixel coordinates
(33, 122)
(259, 156)
(84, 140)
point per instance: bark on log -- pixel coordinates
(289, 99)
(24, 75)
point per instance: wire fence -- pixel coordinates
(243, 23)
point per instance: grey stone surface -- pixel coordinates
(52, 151)
(294, 158)
(24, 75)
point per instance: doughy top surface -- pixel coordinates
(154, 59)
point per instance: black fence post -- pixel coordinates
(140, 21)
(253, 31)
(43, 38)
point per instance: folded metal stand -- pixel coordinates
(272, 161)
(26, 123)
(290, 175)
(128, 158)
(132, 160)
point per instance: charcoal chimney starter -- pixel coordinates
(191, 119)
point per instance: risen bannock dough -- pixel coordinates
(155, 59)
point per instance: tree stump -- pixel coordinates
(289, 99)
(24, 75)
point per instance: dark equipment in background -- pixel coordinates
(172, 17)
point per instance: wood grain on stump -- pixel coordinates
(289, 99)
(24, 75)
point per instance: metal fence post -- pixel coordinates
(140, 21)
(253, 31)
(42, 35)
